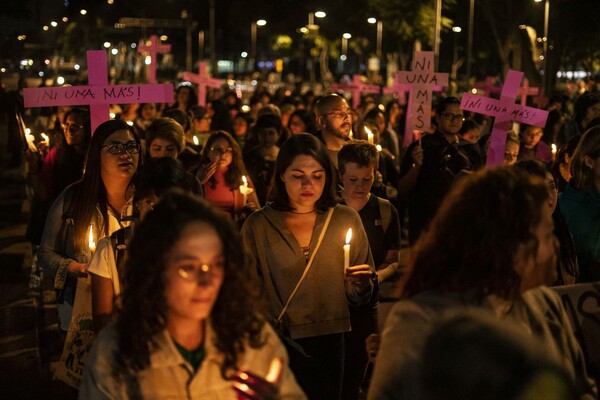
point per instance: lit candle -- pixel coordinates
(553, 151)
(46, 139)
(245, 190)
(91, 242)
(379, 148)
(30, 139)
(195, 139)
(347, 249)
(274, 370)
(369, 135)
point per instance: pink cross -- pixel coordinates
(398, 88)
(489, 87)
(527, 90)
(504, 112)
(422, 80)
(357, 88)
(153, 48)
(203, 80)
(99, 95)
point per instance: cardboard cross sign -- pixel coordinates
(99, 95)
(203, 80)
(401, 89)
(153, 48)
(422, 80)
(504, 111)
(356, 87)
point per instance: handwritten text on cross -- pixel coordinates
(422, 78)
(504, 111)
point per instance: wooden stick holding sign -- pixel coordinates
(99, 95)
(154, 47)
(357, 88)
(422, 81)
(203, 80)
(504, 111)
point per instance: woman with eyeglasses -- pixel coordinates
(221, 175)
(91, 208)
(189, 326)
(62, 166)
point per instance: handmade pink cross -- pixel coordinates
(527, 90)
(422, 80)
(401, 89)
(153, 48)
(357, 88)
(489, 87)
(203, 80)
(99, 95)
(504, 111)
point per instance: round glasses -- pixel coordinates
(118, 148)
(201, 274)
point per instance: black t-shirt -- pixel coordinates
(380, 241)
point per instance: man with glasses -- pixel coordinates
(431, 165)
(334, 121)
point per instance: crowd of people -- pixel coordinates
(239, 254)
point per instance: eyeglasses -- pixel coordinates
(202, 274)
(341, 114)
(72, 127)
(453, 117)
(221, 150)
(119, 148)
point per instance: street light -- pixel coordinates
(312, 15)
(457, 30)
(253, 33)
(379, 34)
(545, 40)
(343, 57)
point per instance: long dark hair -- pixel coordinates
(235, 170)
(297, 145)
(236, 316)
(90, 191)
(473, 241)
(69, 165)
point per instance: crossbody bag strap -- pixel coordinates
(312, 257)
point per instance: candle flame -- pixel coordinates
(46, 138)
(349, 236)
(91, 242)
(27, 131)
(553, 148)
(196, 141)
(244, 180)
(379, 148)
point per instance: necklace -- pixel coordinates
(302, 213)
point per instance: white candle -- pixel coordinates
(553, 151)
(347, 249)
(369, 135)
(244, 189)
(46, 139)
(91, 242)
(30, 140)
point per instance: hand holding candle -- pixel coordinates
(30, 140)
(250, 386)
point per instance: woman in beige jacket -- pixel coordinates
(189, 323)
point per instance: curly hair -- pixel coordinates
(236, 169)
(476, 235)
(237, 316)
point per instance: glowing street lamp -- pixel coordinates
(545, 45)
(379, 34)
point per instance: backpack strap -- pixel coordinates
(120, 242)
(385, 210)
